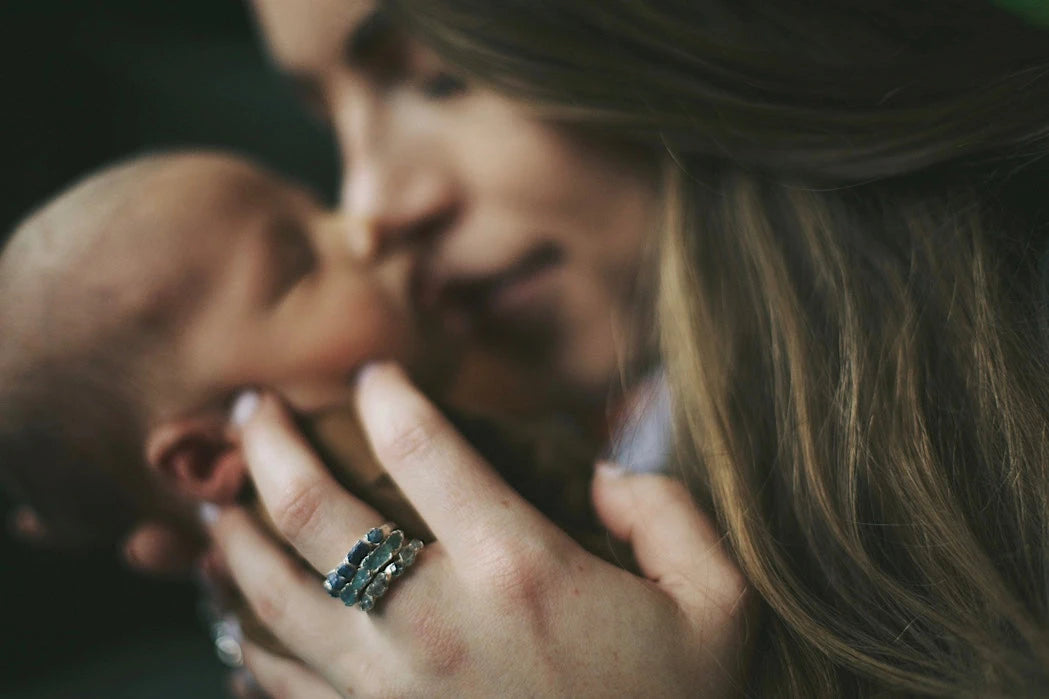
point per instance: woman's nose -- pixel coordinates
(396, 186)
(396, 203)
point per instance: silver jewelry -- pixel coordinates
(364, 575)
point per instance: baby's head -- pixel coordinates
(135, 305)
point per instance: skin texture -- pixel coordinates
(503, 602)
(204, 274)
(472, 185)
(475, 184)
(468, 184)
(284, 302)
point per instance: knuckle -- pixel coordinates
(439, 638)
(665, 499)
(410, 440)
(298, 508)
(515, 569)
(368, 678)
(663, 491)
(279, 686)
(444, 651)
(271, 607)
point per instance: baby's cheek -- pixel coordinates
(351, 329)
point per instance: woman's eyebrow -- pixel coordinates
(372, 35)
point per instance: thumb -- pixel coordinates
(674, 543)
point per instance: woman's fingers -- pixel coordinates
(302, 498)
(281, 678)
(288, 600)
(456, 492)
(674, 543)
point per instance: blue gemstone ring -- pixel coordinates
(364, 575)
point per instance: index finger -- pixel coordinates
(305, 502)
(454, 489)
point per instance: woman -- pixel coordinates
(850, 312)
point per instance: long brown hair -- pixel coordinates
(851, 305)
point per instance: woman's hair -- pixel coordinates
(851, 304)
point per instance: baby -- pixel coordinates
(138, 303)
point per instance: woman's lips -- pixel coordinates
(512, 291)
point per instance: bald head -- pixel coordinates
(90, 285)
(99, 256)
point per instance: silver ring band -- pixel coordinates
(365, 574)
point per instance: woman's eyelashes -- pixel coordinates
(443, 85)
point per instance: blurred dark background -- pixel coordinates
(84, 84)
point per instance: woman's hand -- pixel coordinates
(504, 603)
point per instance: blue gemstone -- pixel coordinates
(335, 582)
(372, 564)
(358, 552)
(374, 536)
(383, 554)
(346, 570)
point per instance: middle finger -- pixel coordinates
(283, 596)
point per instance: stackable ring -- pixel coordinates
(365, 574)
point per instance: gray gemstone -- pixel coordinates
(367, 603)
(394, 570)
(377, 588)
(407, 556)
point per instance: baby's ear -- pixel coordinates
(197, 458)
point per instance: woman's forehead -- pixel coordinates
(309, 37)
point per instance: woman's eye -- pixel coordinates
(443, 85)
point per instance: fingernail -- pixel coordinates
(244, 407)
(208, 513)
(367, 371)
(228, 639)
(608, 469)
